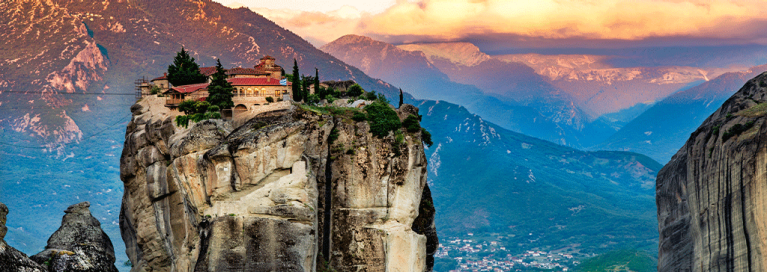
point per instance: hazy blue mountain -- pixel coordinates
(522, 101)
(486, 179)
(660, 131)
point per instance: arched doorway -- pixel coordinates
(240, 107)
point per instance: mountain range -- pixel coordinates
(595, 102)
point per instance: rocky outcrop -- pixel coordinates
(12, 260)
(289, 190)
(711, 195)
(79, 245)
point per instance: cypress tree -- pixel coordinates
(184, 70)
(401, 101)
(220, 90)
(296, 83)
(305, 81)
(317, 83)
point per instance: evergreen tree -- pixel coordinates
(296, 80)
(401, 101)
(184, 70)
(317, 90)
(220, 90)
(305, 81)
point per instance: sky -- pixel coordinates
(525, 23)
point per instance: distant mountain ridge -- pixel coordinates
(491, 180)
(681, 113)
(535, 108)
(590, 81)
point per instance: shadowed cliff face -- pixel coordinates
(273, 193)
(710, 196)
(79, 245)
(11, 259)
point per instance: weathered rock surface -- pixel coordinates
(289, 190)
(712, 214)
(79, 244)
(12, 260)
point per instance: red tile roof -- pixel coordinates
(245, 71)
(189, 88)
(207, 71)
(255, 81)
(164, 77)
(267, 57)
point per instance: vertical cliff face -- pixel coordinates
(711, 195)
(288, 190)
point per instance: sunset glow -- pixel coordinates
(714, 21)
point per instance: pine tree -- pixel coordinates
(184, 70)
(220, 90)
(296, 83)
(401, 101)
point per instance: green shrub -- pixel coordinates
(736, 130)
(381, 97)
(197, 117)
(269, 99)
(399, 139)
(411, 124)
(214, 108)
(354, 90)
(187, 107)
(334, 133)
(426, 137)
(313, 99)
(359, 117)
(330, 98)
(201, 106)
(155, 90)
(370, 96)
(382, 119)
(182, 121)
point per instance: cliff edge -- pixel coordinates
(297, 189)
(712, 214)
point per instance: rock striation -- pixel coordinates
(12, 260)
(711, 195)
(287, 190)
(79, 245)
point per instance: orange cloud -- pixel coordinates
(740, 21)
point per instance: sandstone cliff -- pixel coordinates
(289, 190)
(710, 196)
